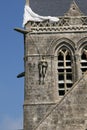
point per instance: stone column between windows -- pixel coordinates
(77, 66)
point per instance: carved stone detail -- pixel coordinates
(65, 23)
(42, 66)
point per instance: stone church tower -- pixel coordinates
(55, 61)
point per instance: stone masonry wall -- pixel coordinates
(71, 112)
(40, 98)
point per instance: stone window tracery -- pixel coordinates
(64, 71)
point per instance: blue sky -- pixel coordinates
(11, 63)
(11, 59)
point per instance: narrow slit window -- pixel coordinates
(84, 60)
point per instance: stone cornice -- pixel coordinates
(66, 29)
(65, 24)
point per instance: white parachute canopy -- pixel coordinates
(29, 15)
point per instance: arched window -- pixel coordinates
(64, 71)
(84, 60)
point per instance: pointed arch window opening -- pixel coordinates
(84, 60)
(64, 71)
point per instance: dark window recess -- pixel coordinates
(60, 63)
(60, 70)
(61, 77)
(84, 64)
(68, 57)
(84, 61)
(68, 63)
(69, 85)
(61, 92)
(61, 85)
(83, 56)
(60, 56)
(84, 69)
(68, 70)
(69, 77)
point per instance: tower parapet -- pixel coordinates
(65, 23)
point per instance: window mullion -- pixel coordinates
(65, 80)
